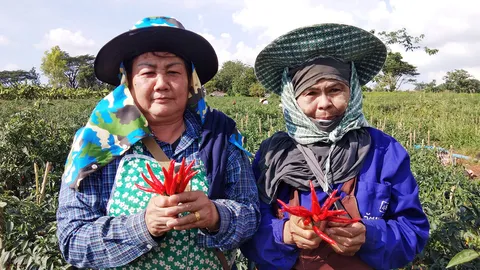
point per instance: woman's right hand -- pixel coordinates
(155, 215)
(296, 233)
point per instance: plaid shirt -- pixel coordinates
(90, 238)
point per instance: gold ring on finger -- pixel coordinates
(197, 216)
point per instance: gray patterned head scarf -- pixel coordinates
(304, 131)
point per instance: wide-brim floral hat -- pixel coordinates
(344, 42)
(156, 34)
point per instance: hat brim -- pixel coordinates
(181, 42)
(345, 42)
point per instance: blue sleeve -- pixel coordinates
(393, 241)
(267, 248)
(90, 239)
(239, 214)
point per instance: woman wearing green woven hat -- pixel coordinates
(156, 179)
(335, 193)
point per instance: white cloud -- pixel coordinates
(450, 27)
(226, 51)
(275, 17)
(247, 54)
(224, 4)
(11, 67)
(221, 45)
(4, 41)
(73, 43)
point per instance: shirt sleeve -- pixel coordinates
(267, 248)
(88, 238)
(239, 214)
(393, 241)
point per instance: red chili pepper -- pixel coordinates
(166, 181)
(189, 175)
(151, 190)
(323, 236)
(155, 183)
(315, 205)
(173, 182)
(299, 211)
(319, 213)
(180, 176)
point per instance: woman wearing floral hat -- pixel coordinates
(156, 179)
(335, 193)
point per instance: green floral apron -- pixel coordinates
(178, 249)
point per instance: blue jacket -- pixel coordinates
(396, 227)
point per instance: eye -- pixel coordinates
(173, 72)
(309, 93)
(147, 72)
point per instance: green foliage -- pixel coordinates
(463, 256)
(16, 77)
(33, 92)
(450, 119)
(460, 81)
(30, 240)
(401, 37)
(80, 70)
(227, 74)
(427, 87)
(54, 66)
(39, 133)
(395, 72)
(68, 71)
(27, 137)
(241, 84)
(257, 90)
(451, 202)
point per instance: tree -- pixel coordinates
(460, 81)
(211, 86)
(241, 84)
(80, 71)
(13, 78)
(396, 71)
(257, 90)
(229, 71)
(427, 87)
(54, 66)
(401, 37)
(64, 70)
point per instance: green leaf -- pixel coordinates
(463, 256)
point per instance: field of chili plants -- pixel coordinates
(35, 135)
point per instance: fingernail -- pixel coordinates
(171, 223)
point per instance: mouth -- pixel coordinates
(161, 100)
(326, 118)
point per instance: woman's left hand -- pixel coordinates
(203, 212)
(349, 237)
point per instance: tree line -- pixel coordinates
(236, 78)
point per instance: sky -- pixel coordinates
(240, 29)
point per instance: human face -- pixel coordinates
(159, 86)
(326, 100)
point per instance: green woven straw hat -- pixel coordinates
(344, 42)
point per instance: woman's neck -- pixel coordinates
(170, 131)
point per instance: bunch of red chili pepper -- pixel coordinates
(174, 182)
(319, 213)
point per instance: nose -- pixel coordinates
(323, 102)
(161, 83)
